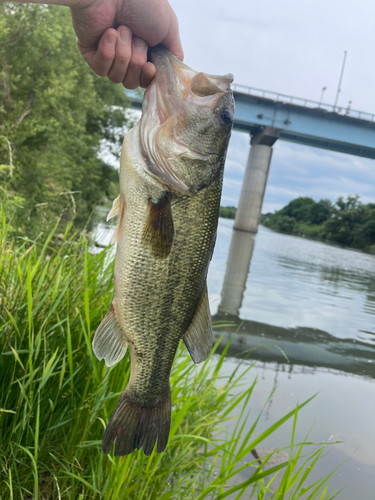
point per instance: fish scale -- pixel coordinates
(164, 314)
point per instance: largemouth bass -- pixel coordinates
(171, 175)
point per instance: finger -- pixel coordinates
(101, 58)
(172, 41)
(147, 75)
(137, 61)
(123, 55)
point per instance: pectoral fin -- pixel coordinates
(115, 208)
(159, 230)
(118, 207)
(198, 337)
(109, 342)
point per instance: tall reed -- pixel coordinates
(55, 397)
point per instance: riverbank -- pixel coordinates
(56, 397)
(348, 222)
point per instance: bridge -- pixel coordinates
(268, 117)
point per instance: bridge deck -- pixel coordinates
(302, 121)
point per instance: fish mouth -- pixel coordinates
(178, 85)
(171, 82)
(172, 100)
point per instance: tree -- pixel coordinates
(344, 226)
(320, 212)
(228, 212)
(299, 209)
(286, 224)
(54, 113)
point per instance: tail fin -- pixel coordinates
(134, 427)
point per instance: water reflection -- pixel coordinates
(237, 270)
(305, 346)
(293, 282)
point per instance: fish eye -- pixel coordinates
(226, 116)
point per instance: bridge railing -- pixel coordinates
(298, 101)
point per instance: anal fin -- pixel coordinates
(198, 337)
(109, 342)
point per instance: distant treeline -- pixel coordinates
(347, 222)
(228, 212)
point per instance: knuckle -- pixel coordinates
(123, 56)
(136, 65)
(125, 35)
(140, 45)
(130, 84)
(99, 70)
(107, 55)
(115, 78)
(125, 29)
(132, 87)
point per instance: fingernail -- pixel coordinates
(111, 39)
(139, 43)
(125, 35)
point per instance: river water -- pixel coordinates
(315, 304)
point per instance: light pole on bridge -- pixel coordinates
(340, 81)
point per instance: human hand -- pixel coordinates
(114, 35)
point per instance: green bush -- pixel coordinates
(228, 212)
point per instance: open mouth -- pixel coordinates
(178, 86)
(172, 102)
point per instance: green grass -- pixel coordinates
(55, 397)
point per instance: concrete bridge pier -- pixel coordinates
(255, 180)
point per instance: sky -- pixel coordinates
(293, 47)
